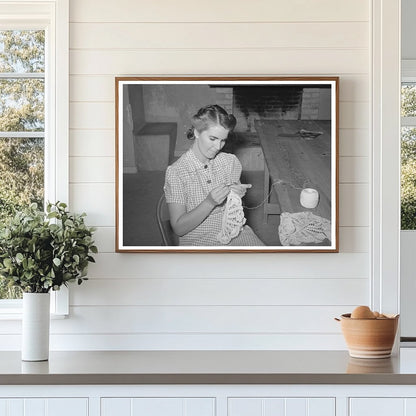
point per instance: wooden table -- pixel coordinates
(293, 162)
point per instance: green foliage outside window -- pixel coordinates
(21, 110)
(408, 104)
(408, 160)
(408, 182)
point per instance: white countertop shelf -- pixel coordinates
(208, 367)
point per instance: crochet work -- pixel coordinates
(302, 228)
(233, 219)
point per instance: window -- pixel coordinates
(22, 124)
(33, 110)
(408, 147)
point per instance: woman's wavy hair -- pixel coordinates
(208, 116)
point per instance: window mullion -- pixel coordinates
(408, 121)
(22, 75)
(22, 134)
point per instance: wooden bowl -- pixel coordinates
(369, 338)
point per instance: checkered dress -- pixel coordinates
(188, 182)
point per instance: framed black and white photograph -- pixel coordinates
(226, 164)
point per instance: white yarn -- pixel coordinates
(233, 219)
(302, 228)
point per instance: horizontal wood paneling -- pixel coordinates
(354, 205)
(352, 239)
(354, 87)
(354, 115)
(221, 35)
(91, 169)
(219, 291)
(96, 199)
(184, 341)
(354, 142)
(200, 319)
(213, 301)
(295, 61)
(94, 143)
(218, 11)
(98, 88)
(87, 115)
(104, 238)
(353, 170)
(268, 265)
(195, 320)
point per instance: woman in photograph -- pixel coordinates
(203, 189)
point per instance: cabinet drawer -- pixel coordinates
(158, 406)
(382, 406)
(44, 407)
(279, 406)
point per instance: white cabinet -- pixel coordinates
(44, 407)
(281, 406)
(157, 406)
(391, 406)
(208, 400)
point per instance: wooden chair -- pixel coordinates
(169, 238)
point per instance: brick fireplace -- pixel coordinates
(292, 102)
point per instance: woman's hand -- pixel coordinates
(240, 189)
(218, 195)
(183, 222)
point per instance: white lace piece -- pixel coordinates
(302, 228)
(233, 219)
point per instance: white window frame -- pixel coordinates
(408, 74)
(53, 17)
(385, 116)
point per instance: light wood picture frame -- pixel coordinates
(284, 144)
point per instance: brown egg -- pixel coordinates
(376, 314)
(362, 312)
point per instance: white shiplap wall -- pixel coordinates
(214, 301)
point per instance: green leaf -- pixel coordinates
(38, 253)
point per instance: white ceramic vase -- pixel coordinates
(35, 326)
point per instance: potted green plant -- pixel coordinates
(39, 252)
